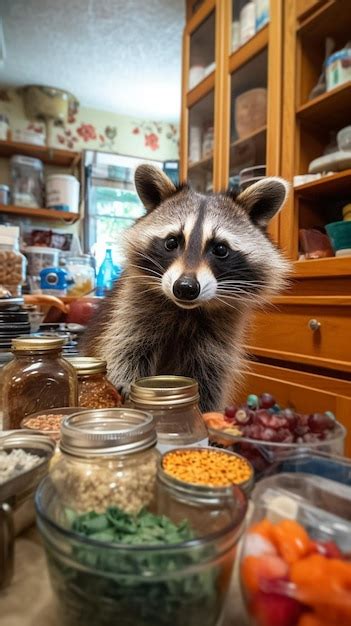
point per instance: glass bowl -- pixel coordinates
(264, 455)
(103, 583)
(295, 567)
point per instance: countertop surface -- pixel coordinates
(29, 601)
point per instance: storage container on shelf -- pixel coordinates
(4, 194)
(81, 275)
(173, 401)
(37, 378)
(26, 181)
(62, 192)
(170, 568)
(4, 127)
(95, 391)
(39, 258)
(12, 262)
(295, 554)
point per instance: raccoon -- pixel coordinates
(196, 265)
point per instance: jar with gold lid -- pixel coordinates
(94, 389)
(37, 378)
(174, 403)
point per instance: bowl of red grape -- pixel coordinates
(264, 432)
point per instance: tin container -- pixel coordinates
(173, 401)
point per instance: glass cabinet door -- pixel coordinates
(202, 51)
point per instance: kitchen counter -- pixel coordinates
(29, 601)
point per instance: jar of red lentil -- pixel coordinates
(38, 378)
(174, 403)
(94, 389)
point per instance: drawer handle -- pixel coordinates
(314, 325)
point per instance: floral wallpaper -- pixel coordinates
(98, 130)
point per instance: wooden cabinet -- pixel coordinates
(300, 347)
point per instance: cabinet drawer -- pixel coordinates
(303, 398)
(314, 335)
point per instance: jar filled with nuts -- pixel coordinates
(109, 459)
(12, 262)
(94, 389)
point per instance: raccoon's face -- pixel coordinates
(201, 250)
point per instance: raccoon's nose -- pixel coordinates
(186, 288)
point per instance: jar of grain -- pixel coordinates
(94, 389)
(173, 401)
(37, 378)
(109, 459)
(12, 262)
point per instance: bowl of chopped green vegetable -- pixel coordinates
(153, 568)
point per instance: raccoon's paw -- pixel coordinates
(124, 391)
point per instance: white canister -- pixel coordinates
(196, 74)
(338, 68)
(262, 13)
(235, 35)
(62, 192)
(247, 22)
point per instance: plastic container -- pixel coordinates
(173, 401)
(151, 584)
(265, 455)
(62, 192)
(344, 138)
(4, 194)
(27, 181)
(94, 389)
(38, 378)
(12, 262)
(81, 275)
(338, 68)
(250, 111)
(106, 275)
(261, 13)
(39, 258)
(339, 234)
(295, 555)
(317, 463)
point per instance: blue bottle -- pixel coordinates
(106, 274)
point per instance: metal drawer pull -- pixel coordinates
(314, 325)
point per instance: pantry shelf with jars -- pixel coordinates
(47, 214)
(276, 108)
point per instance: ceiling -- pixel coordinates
(122, 56)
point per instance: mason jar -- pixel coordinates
(95, 391)
(174, 403)
(37, 378)
(109, 459)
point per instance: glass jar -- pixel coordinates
(94, 389)
(81, 275)
(109, 459)
(12, 265)
(173, 401)
(27, 181)
(37, 378)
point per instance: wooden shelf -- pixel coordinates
(249, 50)
(325, 20)
(330, 110)
(239, 147)
(44, 214)
(204, 164)
(333, 186)
(51, 156)
(200, 90)
(323, 268)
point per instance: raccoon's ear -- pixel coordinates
(263, 199)
(152, 185)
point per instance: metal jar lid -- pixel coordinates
(104, 432)
(156, 391)
(85, 365)
(38, 343)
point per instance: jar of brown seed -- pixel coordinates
(94, 389)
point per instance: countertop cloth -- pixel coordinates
(29, 601)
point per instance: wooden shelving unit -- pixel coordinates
(50, 156)
(330, 186)
(205, 164)
(249, 50)
(43, 214)
(329, 109)
(200, 90)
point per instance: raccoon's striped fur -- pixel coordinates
(196, 266)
